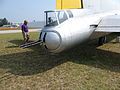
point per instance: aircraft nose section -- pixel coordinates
(52, 40)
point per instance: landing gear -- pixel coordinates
(102, 40)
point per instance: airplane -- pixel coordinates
(72, 27)
(67, 28)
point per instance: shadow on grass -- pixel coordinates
(89, 55)
(39, 61)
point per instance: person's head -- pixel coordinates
(25, 22)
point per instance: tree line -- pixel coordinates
(4, 21)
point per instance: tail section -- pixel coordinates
(69, 4)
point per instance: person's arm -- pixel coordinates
(22, 28)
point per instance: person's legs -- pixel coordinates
(23, 33)
(27, 36)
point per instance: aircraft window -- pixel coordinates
(51, 19)
(62, 16)
(70, 13)
(54, 18)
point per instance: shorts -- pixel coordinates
(25, 35)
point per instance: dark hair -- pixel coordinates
(25, 22)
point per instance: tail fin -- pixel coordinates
(69, 4)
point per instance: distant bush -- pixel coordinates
(3, 21)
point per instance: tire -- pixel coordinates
(102, 40)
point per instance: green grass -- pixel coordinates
(85, 67)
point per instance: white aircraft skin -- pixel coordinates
(80, 25)
(72, 31)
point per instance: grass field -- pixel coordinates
(86, 67)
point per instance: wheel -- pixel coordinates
(102, 40)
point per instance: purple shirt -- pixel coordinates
(24, 28)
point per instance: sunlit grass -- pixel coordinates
(86, 67)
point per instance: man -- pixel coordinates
(25, 31)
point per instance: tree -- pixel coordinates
(1, 23)
(5, 21)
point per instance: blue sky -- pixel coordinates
(18, 10)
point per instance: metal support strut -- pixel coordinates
(30, 44)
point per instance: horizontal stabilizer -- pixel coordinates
(109, 24)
